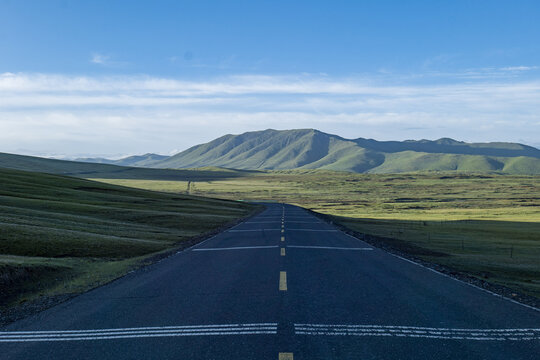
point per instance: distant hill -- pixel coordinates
(313, 149)
(108, 171)
(296, 149)
(145, 160)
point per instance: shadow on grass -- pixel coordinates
(502, 256)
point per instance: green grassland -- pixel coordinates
(487, 225)
(65, 235)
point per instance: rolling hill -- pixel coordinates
(108, 171)
(136, 160)
(313, 149)
(60, 234)
(296, 149)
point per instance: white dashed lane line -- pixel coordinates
(254, 230)
(237, 248)
(312, 230)
(419, 332)
(140, 332)
(526, 334)
(305, 222)
(263, 222)
(330, 248)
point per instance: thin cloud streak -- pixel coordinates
(100, 59)
(40, 90)
(57, 113)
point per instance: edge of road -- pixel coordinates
(500, 291)
(27, 309)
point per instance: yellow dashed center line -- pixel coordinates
(283, 281)
(283, 285)
(285, 356)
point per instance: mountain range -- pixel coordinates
(312, 149)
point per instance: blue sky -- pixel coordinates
(125, 77)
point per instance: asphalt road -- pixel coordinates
(282, 285)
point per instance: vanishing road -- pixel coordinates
(282, 285)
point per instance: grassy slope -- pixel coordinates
(486, 225)
(409, 161)
(32, 163)
(310, 149)
(145, 160)
(60, 234)
(107, 171)
(300, 149)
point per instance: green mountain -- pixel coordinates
(297, 149)
(313, 149)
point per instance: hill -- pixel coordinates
(145, 160)
(296, 149)
(313, 149)
(60, 234)
(108, 171)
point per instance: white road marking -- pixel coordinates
(262, 222)
(305, 222)
(254, 230)
(312, 230)
(236, 248)
(328, 247)
(140, 332)
(419, 332)
(207, 240)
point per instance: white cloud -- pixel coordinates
(519, 68)
(137, 114)
(100, 59)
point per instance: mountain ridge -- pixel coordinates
(313, 149)
(304, 149)
(134, 160)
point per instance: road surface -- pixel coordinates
(282, 285)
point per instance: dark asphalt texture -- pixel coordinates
(353, 302)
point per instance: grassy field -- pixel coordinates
(64, 235)
(487, 225)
